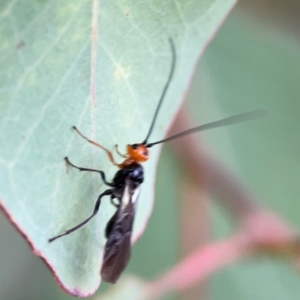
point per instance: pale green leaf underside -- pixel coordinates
(100, 66)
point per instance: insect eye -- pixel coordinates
(134, 146)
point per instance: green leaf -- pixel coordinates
(100, 66)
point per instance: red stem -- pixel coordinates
(200, 265)
(262, 229)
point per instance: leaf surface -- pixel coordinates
(99, 65)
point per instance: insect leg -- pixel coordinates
(112, 198)
(102, 174)
(96, 208)
(122, 155)
(109, 153)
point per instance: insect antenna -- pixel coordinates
(221, 123)
(164, 91)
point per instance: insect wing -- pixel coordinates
(118, 232)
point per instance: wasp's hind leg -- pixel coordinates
(96, 209)
(116, 204)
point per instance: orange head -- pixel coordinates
(137, 152)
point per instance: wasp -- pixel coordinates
(123, 190)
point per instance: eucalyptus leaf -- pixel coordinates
(100, 66)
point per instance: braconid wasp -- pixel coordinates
(123, 190)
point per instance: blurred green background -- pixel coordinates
(253, 62)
